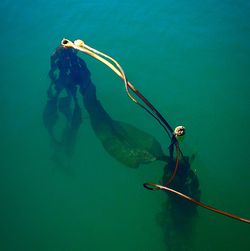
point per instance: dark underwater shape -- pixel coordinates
(126, 143)
(130, 145)
(64, 106)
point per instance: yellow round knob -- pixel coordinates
(79, 43)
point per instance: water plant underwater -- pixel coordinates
(180, 163)
(124, 142)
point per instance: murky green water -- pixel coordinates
(190, 58)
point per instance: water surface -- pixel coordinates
(190, 58)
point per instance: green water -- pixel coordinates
(190, 58)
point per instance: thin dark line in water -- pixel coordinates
(155, 187)
(81, 46)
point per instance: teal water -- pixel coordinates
(190, 58)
